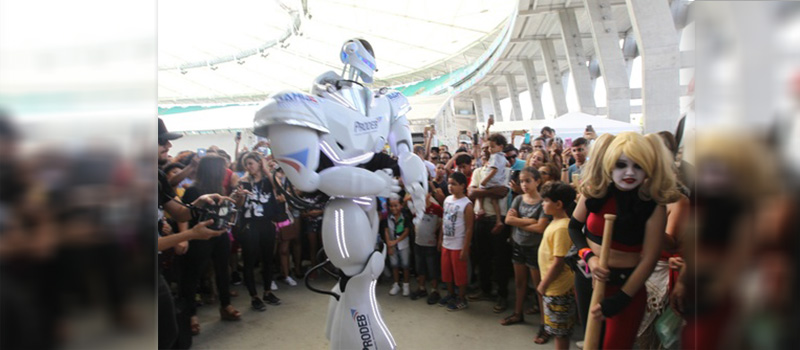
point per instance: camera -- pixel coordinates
(223, 214)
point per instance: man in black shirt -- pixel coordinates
(168, 201)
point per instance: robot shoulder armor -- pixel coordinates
(290, 108)
(398, 103)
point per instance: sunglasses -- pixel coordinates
(162, 142)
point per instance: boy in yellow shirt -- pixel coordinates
(557, 282)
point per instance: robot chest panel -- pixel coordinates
(355, 132)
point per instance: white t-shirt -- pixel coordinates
(499, 162)
(478, 176)
(453, 224)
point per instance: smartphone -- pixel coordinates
(238, 135)
(201, 152)
(568, 143)
(264, 150)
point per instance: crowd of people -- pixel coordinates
(493, 212)
(537, 212)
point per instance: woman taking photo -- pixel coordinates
(630, 176)
(256, 232)
(210, 176)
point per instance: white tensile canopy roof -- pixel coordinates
(240, 51)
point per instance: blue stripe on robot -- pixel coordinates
(301, 157)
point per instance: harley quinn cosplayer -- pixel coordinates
(628, 175)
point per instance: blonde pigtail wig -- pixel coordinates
(648, 152)
(662, 184)
(593, 183)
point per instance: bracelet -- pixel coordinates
(586, 254)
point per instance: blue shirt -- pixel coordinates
(573, 169)
(518, 165)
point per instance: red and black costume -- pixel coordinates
(623, 312)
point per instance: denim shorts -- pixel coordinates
(401, 258)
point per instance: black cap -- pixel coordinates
(163, 134)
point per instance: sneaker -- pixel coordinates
(446, 300)
(420, 293)
(258, 305)
(290, 281)
(434, 298)
(273, 286)
(501, 305)
(271, 299)
(406, 289)
(457, 305)
(236, 278)
(395, 289)
(579, 344)
(478, 296)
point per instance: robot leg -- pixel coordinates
(354, 321)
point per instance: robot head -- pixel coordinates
(358, 54)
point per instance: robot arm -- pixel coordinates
(291, 148)
(293, 122)
(299, 163)
(357, 182)
(412, 169)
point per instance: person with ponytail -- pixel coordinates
(630, 176)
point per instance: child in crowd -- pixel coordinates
(557, 282)
(529, 222)
(396, 234)
(426, 251)
(497, 173)
(455, 241)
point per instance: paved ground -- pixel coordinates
(299, 323)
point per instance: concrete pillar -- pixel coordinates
(513, 92)
(594, 73)
(554, 76)
(494, 97)
(629, 51)
(534, 89)
(609, 57)
(658, 45)
(477, 100)
(577, 60)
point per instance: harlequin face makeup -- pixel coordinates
(626, 174)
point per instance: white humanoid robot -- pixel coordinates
(331, 140)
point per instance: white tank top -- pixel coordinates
(453, 225)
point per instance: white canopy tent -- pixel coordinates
(570, 125)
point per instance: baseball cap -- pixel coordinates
(164, 134)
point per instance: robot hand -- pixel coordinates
(415, 180)
(418, 194)
(392, 185)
